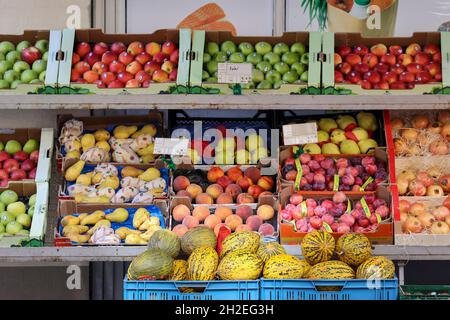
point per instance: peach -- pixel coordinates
(265, 211)
(180, 183)
(190, 222)
(255, 190)
(194, 190)
(200, 212)
(214, 174)
(180, 212)
(253, 173)
(244, 198)
(218, 226)
(244, 183)
(224, 181)
(180, 230)
(184, 193)
(224, 198)
(233, 221)
(266, 183)
(235, 173)
(254, 222)
(223, 212)
(204, 198)
(212, 220)
(242, 228)
(413, 49)
(214, 190)
(234, 190)
(379, 50)
(244, 212)
(266, 229)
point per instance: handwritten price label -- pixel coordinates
(234, 72)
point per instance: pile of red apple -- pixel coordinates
(16, 167)
(119, 66)
(386, 68)
(310, 214)
(318, 172)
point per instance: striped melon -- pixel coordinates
(245, 241)
(267, 250)
(377, 267)
(198, 237)
(240, 265)
(179, 270)
(165, 240)
(306, 267)
(318, 246)
(202, 264)
(353, 249)
(152, 264)
(331, 270)
(283, 266)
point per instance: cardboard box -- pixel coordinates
(72, 37)
(334, 40)
(383, 235)
(313, 40)
(39, 221)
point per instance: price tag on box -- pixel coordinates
(171, 146)
(301, 133)
(234, 72)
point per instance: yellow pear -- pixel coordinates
(155, 221)
(74, 171)
(97, 178)
(75, 229)
(131, 172)
(147, 159)
(87, 141)
(124, 132)
(84, 179)
(134, 239)
(103, 145)
(147, 129)
(122, 232)
(110, 182)
(93, 218)
(156, 191)
(101, 135)
(119, 215)
(99, 224)
(70, 221)
(146, 151)
(75, 154)
(140, 216)
(80, 238)
(81, 216)
(150, 174)
(85, 199)
(150, 231)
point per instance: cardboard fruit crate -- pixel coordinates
(313, 40)
(334, 40)
(70, 37)
(39, 221)
(70, 207)
(383, 235)
(91, 124)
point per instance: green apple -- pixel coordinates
(281, 67)
(2, 146)
(16, 208)
(254, 58)
(23, 232)
(304, 77)
(221, 57)
(337, 136)
(6, 217)
(39, 66)
(327, 124)
(211, 67)
(212, 80)
(264, 66)
(13, 56)
(305, 58)
(2, 56)
(30, 146)
(23, 45)
(205, 75)
(349, 147)
(42, 76)
(237, 57)
(265, 84)
(13, 227)
(21, 66)
(298, 47)
(24, 220)
(28, 75)
(212, 48)
(35, 81)
(312, 148)
(322, 135)
(206, 57)
(15, 84)
(330, 148)
(31, 211)
(298, 67)
(12, 146)
(290, 77)
(6, 46)
(42, 45)
(273, 76)
(32, 200)
(45, 56)
(2, 228)
(280, 48)
(228, 47)
(278, 84)
(4, 84)
(272, 58)
(5, 65)
(11, 76)
(263, 47)
(290, 58)
(8, 196)
(246, 48)
(257, 75)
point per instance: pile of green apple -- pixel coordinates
(22, 63)
(272, 65)
(15, 215)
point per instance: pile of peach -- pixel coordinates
(233, 186)
(243, 218)
(387, 68)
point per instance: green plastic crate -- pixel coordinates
(424, 292)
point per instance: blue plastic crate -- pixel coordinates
(172, 290)
(303, 289)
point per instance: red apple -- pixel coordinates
(390, 77)
(142, 76)
(437, 57)
(381, 68)
(344, 67)
(372, 76)
(413, 49)
(423, 77)
(414, 68)
(174, 56)
(75, 58)
(126, 58)
(405, 59)
(431, 49)
(32, 174)
(438, 76)
(100, 84)
(168, 66)
(168, 47)
(361, 67)
(81, 67)
(100, 48)
(21, 156)
(91, 58)
(108, 57)
(116, 84)
(83, 48)
(135, 48)
(17, 175)
(379, 50)
(433, 68)
(382, 85)
(353, 77)
(99, 67)
(406, 77)
(160, 57)
(143, 58)
(397, 68)
(388, 59)
(107, 77)
(124, 76)
(4, 178)
(343, 50)
(365, 84)
(152, 48)
(397, 85)
(27, 165)
(395, 50)
(353, 59)
(118, 47)
(360, 50)
(338, 77)
(117, 67)
(370, 59)
(90, 76)
(4, 156)
(134, 67)
(151, 67)
(421, 58)
(173, 75)
(10, 165)
(133, 83)
(160, 76)
(146, 83)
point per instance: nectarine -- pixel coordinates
(266, 183)
(253, 173)
(234, 190)
(180, 183)
(214, 190)
(214, 174)
(244, 183)
(235, 173)
(244, 198)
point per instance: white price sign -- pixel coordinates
(171, 146)
(302, 133)
(234, 72)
